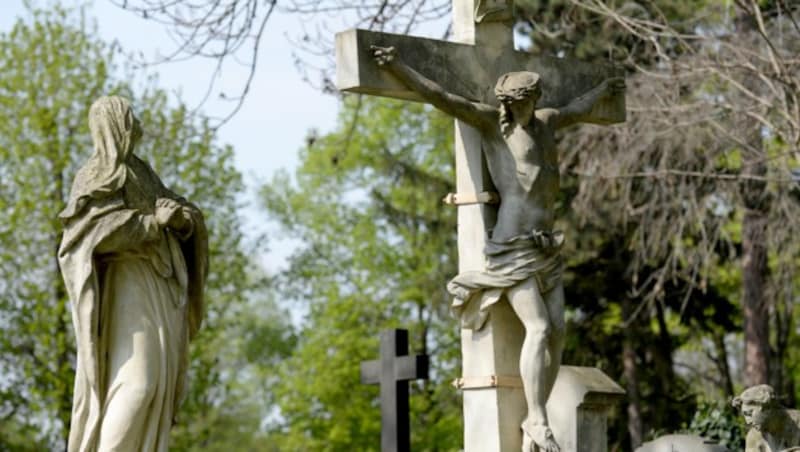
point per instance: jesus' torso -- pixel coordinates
(523, 165)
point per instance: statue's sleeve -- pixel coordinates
(195, 251)
(134, 230)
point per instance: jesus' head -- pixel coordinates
(518, 93)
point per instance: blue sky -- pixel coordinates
(271, 126)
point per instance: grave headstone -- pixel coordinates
(392, 372)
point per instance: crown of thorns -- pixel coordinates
(516, 85)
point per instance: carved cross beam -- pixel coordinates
(465, 69)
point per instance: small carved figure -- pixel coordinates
(773, 428)
(524, 264)
(134, 260)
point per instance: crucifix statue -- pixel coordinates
(508, 106)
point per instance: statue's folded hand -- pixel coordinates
(183, 222)
(168, 212)
(167, 202)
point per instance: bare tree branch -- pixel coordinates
(222, 30)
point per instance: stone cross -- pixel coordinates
(484, 49)
(393, 371)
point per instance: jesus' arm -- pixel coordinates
(581, 107)
(476, 114)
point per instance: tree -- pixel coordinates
(40, 141)
(377, 245)
(708, 163)
(53, 70)
(224, 30)
(686, 191)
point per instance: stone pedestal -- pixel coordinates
(494, 404)
(578, 408)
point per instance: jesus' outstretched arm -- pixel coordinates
(579, 109)
(476, 114)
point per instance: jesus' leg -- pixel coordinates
(535, 362)
(554, 302)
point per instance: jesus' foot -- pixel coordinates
(538, 438)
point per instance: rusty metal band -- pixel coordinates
(460, 199)
(489, 381)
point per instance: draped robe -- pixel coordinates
(508, 263)
(136, 290)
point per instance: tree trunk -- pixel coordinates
(630, 375)
(754, 230)
(723, 368)
(754, 276)
(662, 353)
(756, 326)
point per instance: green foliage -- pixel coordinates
(53, 69)
(15, 437)
(720, 422)
(377, 246)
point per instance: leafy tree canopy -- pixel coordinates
(377, 245)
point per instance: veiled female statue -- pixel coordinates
(134, 260)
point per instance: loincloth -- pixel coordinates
(508, 263)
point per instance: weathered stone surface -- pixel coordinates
(772, 428)
(507, 147)
(493, 413)
(134, 261)
(681, 443)
(579, 406)
(468, 70)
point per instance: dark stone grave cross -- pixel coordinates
(392, 372)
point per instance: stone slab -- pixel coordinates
(681, 443)
(578, 408)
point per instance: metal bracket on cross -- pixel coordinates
(489, 381)
(459, 199)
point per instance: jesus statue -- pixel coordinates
(523, 261)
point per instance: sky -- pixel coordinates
(271, 126)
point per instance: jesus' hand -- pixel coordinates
(383, 55)
(614, 86)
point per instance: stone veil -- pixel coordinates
(136, 291)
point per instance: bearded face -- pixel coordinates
(522, 109)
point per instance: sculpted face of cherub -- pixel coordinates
(756, 403)
(753, 412)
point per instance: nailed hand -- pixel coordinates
(383, 55)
